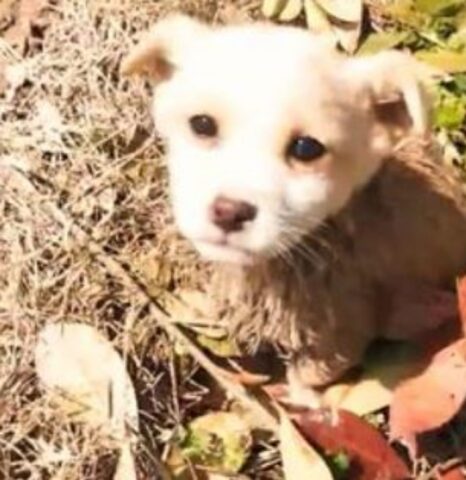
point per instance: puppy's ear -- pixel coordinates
(395, 83)
(158, 53)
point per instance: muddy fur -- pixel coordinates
(376, 232)
(404, 233)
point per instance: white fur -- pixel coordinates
(262, 84)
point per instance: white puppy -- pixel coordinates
(270, 133)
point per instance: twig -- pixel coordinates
(225, 379)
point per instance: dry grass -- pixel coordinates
(84, 139)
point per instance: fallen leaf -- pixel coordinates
(402, 11)
(369, 453)
(449, 112)
(291, 11)
(220, 440)
(456, 473)
(347, 34)
(298, 456)
(445, 60)
(431, 399)
(386, 365)
(345, 10)
(221, 347)
(384, 369)
(461, 294)
(437, 7)
(271, 8)
(379, 41)
(87, 379)
(316, 19)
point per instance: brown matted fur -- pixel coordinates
(403, 234)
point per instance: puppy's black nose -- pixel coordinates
(230, 215)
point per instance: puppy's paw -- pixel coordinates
(301, 394)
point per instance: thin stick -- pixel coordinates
(225, 379)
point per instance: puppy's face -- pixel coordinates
(269, 132)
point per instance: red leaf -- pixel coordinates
(431, 399)
(453, 474)
(370, 454)
(461, 294)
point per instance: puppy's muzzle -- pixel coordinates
(230, 215)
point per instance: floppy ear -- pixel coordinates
(397, 93)
(159, 52)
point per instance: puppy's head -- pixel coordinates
(269, 130)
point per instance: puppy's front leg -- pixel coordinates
(318, 365)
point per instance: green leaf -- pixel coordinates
(376, 42)
(403, 11)
(340, 464)
(459, 82)
(450, 112)
(438, 7)
(445, 60)
(222, 347)
(218, 440)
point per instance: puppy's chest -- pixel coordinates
(408, 225)
(290, 304)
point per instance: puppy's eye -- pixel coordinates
(203, 125)
(305, 149)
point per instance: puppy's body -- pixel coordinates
(285, 172)
(371, 271)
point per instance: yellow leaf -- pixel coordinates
(365, 397)
(447, 61)
(379, 41)
(316, 19)
(222, 347)
(374, 390)
(344, 10)
(87, 379)
(219, 440)
(348, 35)
(300, 460)
(271, 8)
(291, 11)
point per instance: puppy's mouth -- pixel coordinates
(223, 251)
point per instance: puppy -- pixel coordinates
(305, 178)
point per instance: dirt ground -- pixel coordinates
(86, 235)
(76, 147)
